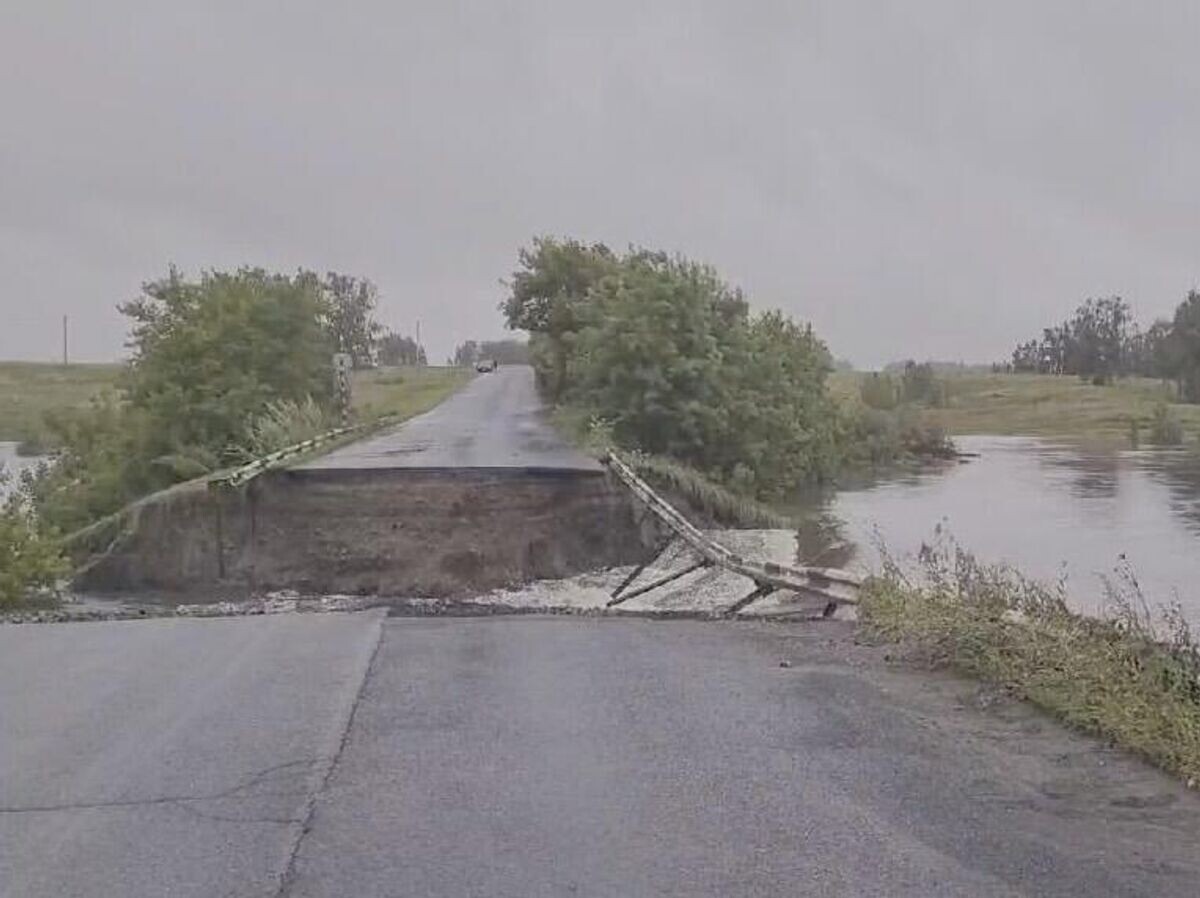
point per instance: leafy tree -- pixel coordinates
(505, 352)
(393, 349)
(669, 357)
(1099, 338)
(209, 354)
(546, 294)
(209, 357)
(466, 354)
(1183, 349)
(350, 305)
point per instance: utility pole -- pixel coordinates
(66, 357)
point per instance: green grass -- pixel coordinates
(1047, 406)
(28, 390)
(404, 392)
(1124, 678)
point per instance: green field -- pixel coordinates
(1047, 406)
(404, 392)
(29, 390)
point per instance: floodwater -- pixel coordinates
(13, 465)
(1049, 510)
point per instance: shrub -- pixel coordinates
(1121, 677)
(31, 563)
(671, 357)
(283, 423)
(1165, 427)
(879, 391)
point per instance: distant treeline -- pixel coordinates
(504, 352)
(1102, 341)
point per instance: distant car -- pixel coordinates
(484, 366)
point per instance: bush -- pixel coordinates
(31, 563)
(1119, 677)
(670, 356)
(1165, 427)
(219, 367)
(283, 423)
(876, 437)
(920, 384)
(879, 391)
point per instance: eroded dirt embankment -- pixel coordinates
(375, 532)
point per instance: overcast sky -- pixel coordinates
(914, 178)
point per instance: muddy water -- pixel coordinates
(1050, 510)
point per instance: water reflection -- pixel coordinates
(1048, 509)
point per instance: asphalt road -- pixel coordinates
(496, 421)
(168, 757)
(330, 755)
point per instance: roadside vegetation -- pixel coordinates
(1130, 677)
(1130, 412)
(29, 391)
(670, 360)
(31, 560)
(223, 368)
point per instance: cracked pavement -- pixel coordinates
(349, 754)
(166, 756)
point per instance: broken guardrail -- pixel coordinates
(247, 472)
(768, 577)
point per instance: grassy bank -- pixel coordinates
(404, 392)
(1049, 406)
(28, 390)
(1123, 678)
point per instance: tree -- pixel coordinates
(209, 354)
(545, 295)
(393, 349)
(350, 304)
(505, 352)
(1184, 347)
(669, 356)
(1099, 339)
(208, 357)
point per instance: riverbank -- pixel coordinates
(1126, 677)
(1061, 407)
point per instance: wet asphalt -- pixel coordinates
(347, 754)
(495, 421)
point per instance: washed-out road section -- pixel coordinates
(325, 755)
(476, 494)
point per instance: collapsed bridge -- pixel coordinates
(475, 495)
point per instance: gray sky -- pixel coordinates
(929, 179)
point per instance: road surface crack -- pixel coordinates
(184, 801)
(287, 876)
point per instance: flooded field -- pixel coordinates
(1050, 510)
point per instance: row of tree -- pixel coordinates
(669, 357)
(1102, 341)
(504, 352)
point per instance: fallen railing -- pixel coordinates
(768, 577)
